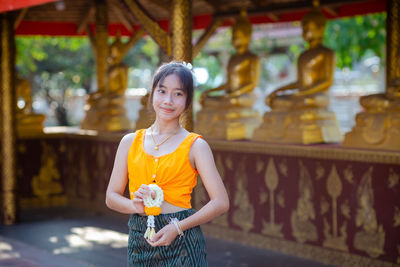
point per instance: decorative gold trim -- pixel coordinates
(306, 251)
(150, 26)
(321, 151)
(202, 41)
(54, 201)
(243, 214)
(334, 239)
(120, 14)
(303, 229)
(20, 17)
(46, 184)
(317, 151)
(370, 235)
(85, 17)
(271, 179)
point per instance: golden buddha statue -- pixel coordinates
(146, 113)
(105, 111)
(299, 111)
(27, 120)
(227, 111)
(378, 126)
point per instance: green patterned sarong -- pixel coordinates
(188, 250)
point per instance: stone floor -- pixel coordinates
(65, 237)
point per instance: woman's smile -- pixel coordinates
(167, 110)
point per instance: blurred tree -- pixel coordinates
(355, 37)
(53, 65)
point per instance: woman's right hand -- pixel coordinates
(138, 197)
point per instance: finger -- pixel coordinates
(145, 191)
(159, 242)
(137, 195)
(157, 236)
(145, 187)
(141, 191)
(150, 243)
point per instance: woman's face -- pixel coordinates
(169, 98)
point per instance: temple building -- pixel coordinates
(297, 184)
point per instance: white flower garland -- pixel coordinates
(152, 208)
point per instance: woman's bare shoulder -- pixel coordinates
(128, 138)
(200, 145)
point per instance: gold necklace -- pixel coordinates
(156, 146)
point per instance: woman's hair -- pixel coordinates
(181, 69)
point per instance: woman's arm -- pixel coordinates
(219, 201)
(115, 199)
(218, 204)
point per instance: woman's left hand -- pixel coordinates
(164, 237)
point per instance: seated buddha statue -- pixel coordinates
(105, 110)
(299, 110)
(378, 125)
(227, 111)
(384, 101)
(146, 114)
(27, 120)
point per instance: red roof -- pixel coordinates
(50, 19)
(10, 5)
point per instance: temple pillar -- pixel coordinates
(392, 40)
(101, 45)
(181, 28)
(7, 119)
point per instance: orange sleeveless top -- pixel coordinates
(172, 172)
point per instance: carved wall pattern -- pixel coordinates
(334, 183)
(267, 192)
(41, 182)
(302, 217)
(243, 210)
(223, 219)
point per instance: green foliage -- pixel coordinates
(142, 60)
(213, 57)
(54, 65)
(57, 65)
(71, 56)
(354, 37)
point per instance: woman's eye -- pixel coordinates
(179, 94)
(161, 91)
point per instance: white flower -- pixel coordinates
(187, 65)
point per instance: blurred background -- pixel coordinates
(62, 71)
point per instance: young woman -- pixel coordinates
(168, 155)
